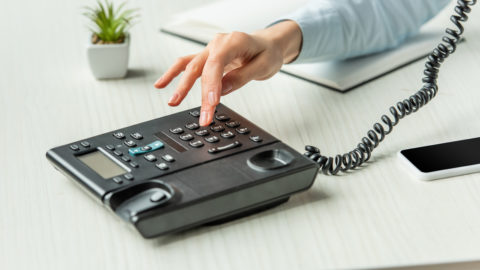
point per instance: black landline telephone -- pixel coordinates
(169, 174)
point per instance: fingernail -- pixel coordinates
(173, 99)
(226, 87)
(204, 118)
(212, 98)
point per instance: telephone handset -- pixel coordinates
(362, 153)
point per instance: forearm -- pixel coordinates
(339, 29)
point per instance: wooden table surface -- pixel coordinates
(377, 216)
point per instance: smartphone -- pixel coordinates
(443, 160)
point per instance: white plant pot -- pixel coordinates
(108, 61)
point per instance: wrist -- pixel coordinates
(287, 37)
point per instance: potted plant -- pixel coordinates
(107, 50)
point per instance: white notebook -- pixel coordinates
(201, 24)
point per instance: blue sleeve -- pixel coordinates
(339, 29)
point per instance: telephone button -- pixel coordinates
(212, 139)
(117, 180)
(177, 130)
(146, 148)
(150, 157)
(134, 164)
(202, 132)
(110, 147)
(162, 166)
(186, 137)
(243, 130)
(228, 134)
(256, 138)
(217, 128)
(74, 147)
(129, 143)
(196, 144)
(195, 113)
(192, 126)
(214, 150)
(168, 158)
(85, 144)
(119, 135)
(136, 136)
(232, 124)
(222, 117)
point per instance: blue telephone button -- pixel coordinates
(145, 149)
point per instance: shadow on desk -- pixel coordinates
(309, 196)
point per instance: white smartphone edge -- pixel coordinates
(428, 176)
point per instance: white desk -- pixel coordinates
(377, 216)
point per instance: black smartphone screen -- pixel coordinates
(444, 156)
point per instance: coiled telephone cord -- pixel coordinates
(363, 151)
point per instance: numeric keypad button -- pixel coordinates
(186, 137)
(243, 130)
(177, 130)
(195, 113)
(222, 117)
(232, 124)
(228, 134)
(196, 144)
(217, 128)
(202, 132)
(212, 139)
(192, 126)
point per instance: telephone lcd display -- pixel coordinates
(101, 164)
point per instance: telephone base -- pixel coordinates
(248, 212)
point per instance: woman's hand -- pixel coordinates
(230, 61)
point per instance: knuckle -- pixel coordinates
(192, 68)
(182, 60)
(237, 37)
